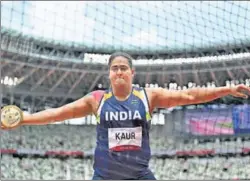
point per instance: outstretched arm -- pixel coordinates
(162, 98)
(79, 108)
(76, 109)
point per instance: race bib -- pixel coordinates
(122, 139)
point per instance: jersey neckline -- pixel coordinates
(126, 98)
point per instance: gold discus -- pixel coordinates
(11, 116)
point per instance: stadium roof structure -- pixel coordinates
(51, 76)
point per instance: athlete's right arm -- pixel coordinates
(79, 108)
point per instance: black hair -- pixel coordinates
(121, 54)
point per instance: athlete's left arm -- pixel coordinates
(163, 98)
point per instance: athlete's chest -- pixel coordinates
(125, 111)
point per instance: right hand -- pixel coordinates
(240, 90)
(11, 117)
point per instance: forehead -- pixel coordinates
(120, 61)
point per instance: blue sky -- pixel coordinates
(142, 26)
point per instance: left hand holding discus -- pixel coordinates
(11, 117)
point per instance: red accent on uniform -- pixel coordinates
(98, 94)
(126, 148)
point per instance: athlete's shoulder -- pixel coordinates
(97, 94)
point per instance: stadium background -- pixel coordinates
(53, 53)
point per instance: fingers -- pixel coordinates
(242, 91)
(244, 88)
(6, 128)
(3, 128)
(242, 95)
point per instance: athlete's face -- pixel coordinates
(120, 72)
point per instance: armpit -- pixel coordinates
(150, 96)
